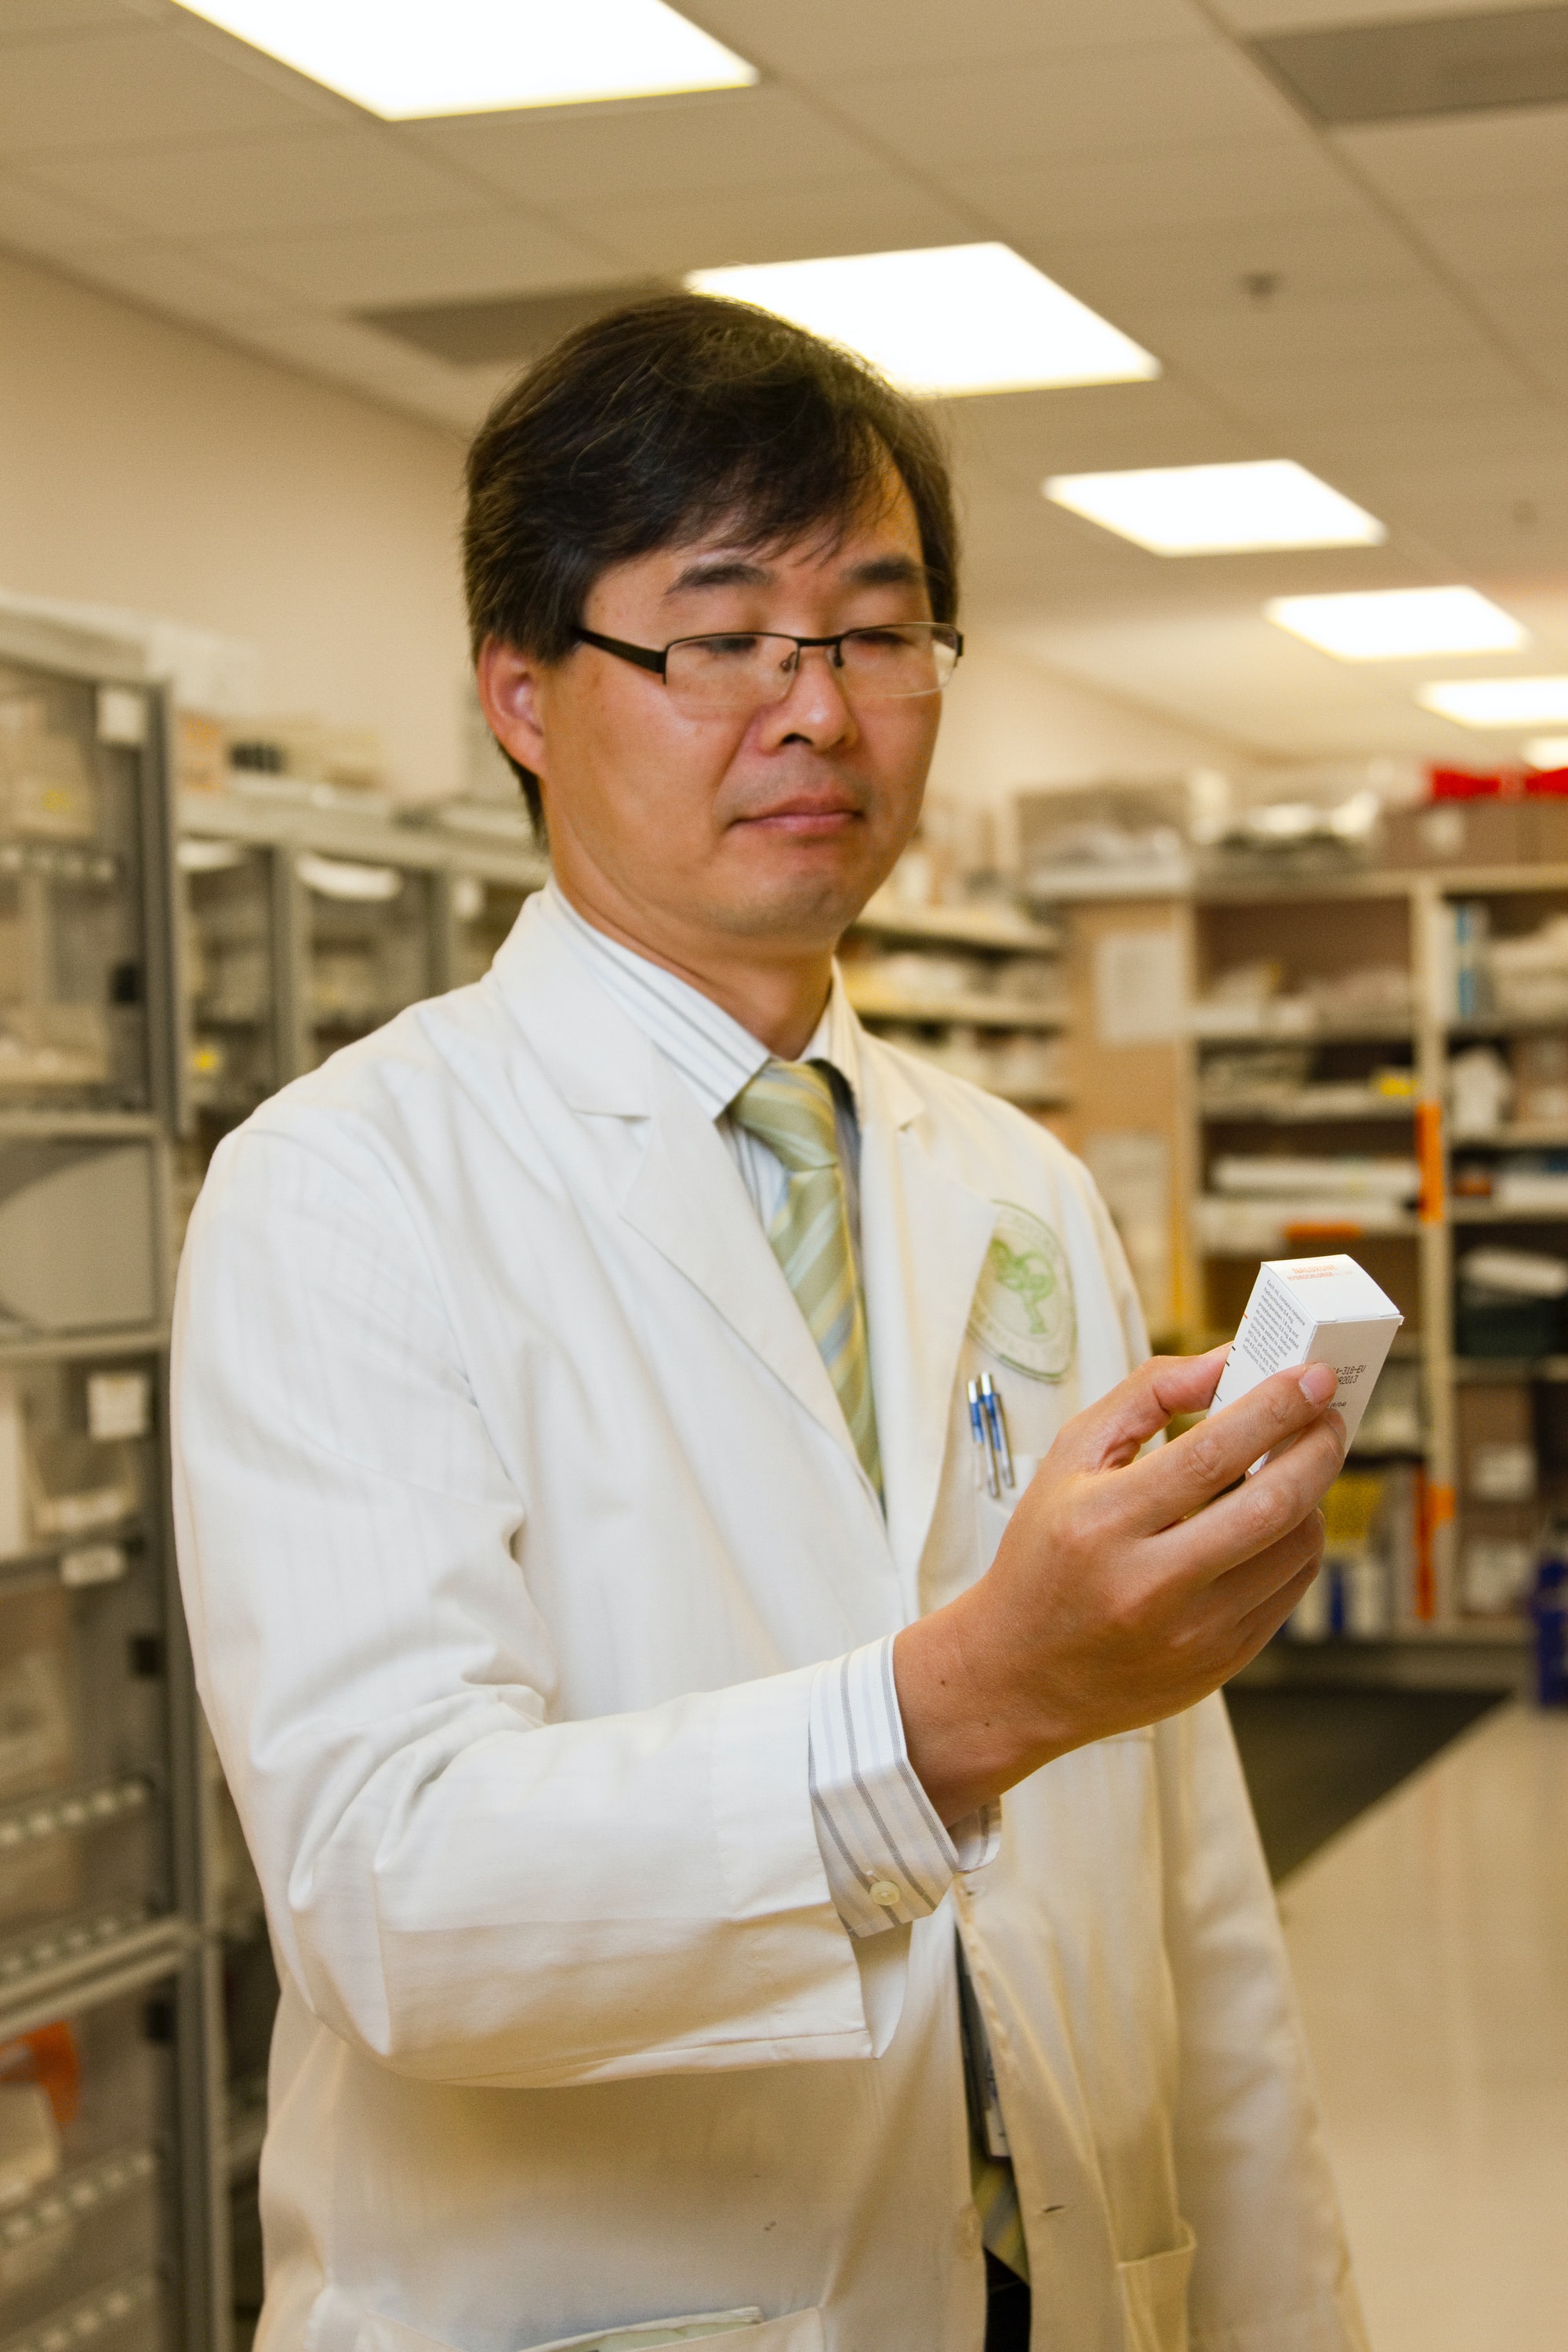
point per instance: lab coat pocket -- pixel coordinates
(337, 2323)
(991, 1512)
(719, 2331)
(1155, 2298)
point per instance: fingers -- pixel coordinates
(1258, 1512)
(1108, 1433)
(1181, 1477)
(1253, 1583)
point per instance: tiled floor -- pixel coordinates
(1430, 1941)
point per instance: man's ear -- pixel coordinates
(508, 682)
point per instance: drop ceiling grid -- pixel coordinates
(1127, 146)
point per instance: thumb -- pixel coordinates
(1106, 1435)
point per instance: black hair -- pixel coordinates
(653, 424)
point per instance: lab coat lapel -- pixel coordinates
(687, 1199)
(685, 1196)
(924, 1235)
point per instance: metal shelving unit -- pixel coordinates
(303, 924)
(111, 2217)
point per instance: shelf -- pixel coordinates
(49, 1563)
(67, 1125)
(1544, 1134)
(75, 2195)
(34, 1819)
(1270, 1110)
(99, 1937)
(76, 2324)
(99, 1972)
(967, 926)
(1510, 1024)
(1313, 1033)
(367, 837)
(72, 1347)
(1476, 1371)
(976, 1012)
(1462, 1211)
(246, 2126)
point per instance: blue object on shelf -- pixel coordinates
(1548, 1612)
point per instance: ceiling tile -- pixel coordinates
(131, 88)
(36, 220)
(821, 41)
(785, 224)
(1225, 668)
(1020, 438)
(1155, 189)
(1297, 15)
(1087, 101)
(1471, 159)
(235, 188)
(489, 252)
(1531, 313)
(1313, 255)
(31, 20)
(1247, 340)
(1434, 441)
(1309, 394)
(1488, 242)
(560, 156)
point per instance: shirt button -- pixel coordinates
(883, 1891)
(969, 2231)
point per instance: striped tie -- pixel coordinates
(788, 1106)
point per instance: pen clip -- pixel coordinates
(990, 1399)
(980, 1429)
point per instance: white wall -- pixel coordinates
(1009, 725)
(143, 463)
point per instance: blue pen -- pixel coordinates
(979, 1427)
(990, 1398)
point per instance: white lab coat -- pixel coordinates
(515, 1509)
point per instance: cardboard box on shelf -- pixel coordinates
(1456, 833)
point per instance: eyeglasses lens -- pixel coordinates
(746, 671)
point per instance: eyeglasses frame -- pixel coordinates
(657, 664)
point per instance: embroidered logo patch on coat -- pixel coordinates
(1023, 1309)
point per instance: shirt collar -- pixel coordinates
(713, 1053)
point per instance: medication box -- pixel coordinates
(1312, 1310)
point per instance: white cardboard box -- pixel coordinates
(1312, 1310)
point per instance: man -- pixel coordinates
(732, 1873)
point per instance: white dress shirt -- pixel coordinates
(887, 1856)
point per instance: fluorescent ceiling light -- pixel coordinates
(947, 320)
(1217, 509)
(1547, 751)
(1399, 624)
(1499, 701)
(405, 58)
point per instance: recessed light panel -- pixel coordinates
(408, 59)
(1399, 624)
(1217, 509)
(948, 320)
(1499, 701)
(1547, 751)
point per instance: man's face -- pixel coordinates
(771, 824)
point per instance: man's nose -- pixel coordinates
(817, 707)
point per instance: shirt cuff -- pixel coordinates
(889, 1859)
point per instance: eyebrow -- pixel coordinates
(739, 571)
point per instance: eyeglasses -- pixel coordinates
(745, 670)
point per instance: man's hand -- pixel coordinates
(1126, 1587)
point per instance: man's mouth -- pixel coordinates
(805, 814)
